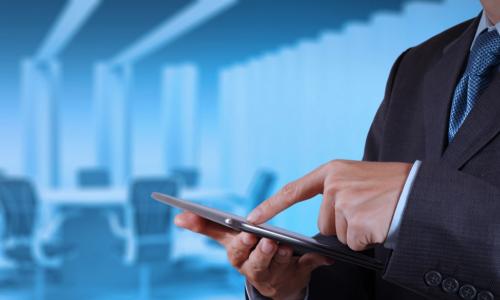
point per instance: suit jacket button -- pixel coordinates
(467, 292)
(485, 295)
(450, 285)
(433, 278)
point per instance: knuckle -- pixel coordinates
(331, 189)
(282, 260)
(267, 289)
(309, 265)
(356, 233)
(341, 205)
(335, 165)
(353, 236)
(341, 239)
(235, 255)
(332, 164)
(352, 241)
(359, 224)
(233, 260)
(283, 256)
(258, 275)
(272, 291)
(196, 227)
(289, 191)
(325, 228)
(355, 245)
(250, 276)
(246, 239)
(335, 185)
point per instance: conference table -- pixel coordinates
(53, 201)
(103, 197)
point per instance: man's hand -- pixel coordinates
(359, 199)
(270, 268)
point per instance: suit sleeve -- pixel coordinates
(375, 135)
(449, 234)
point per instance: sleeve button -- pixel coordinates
(433, 278)
(485, 295)
(467, 292)
(450, 285)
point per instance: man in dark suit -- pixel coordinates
(426, 198)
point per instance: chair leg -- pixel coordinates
(39, 282)
(144, 282)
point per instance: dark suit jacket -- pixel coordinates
(451, 223)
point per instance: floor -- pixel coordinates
(195, 269)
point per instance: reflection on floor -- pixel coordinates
(200, 286)
(197, 269)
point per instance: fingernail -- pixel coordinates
(267, 247)
(254, 216)
(247, 240)
(283, 252)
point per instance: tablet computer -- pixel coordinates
(327, 246)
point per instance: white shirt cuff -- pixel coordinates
(392, 236)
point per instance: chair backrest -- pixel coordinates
(3, 215)
(19, 204)
(188, 177)
(261, 187)
(151, 217)
(93, 177)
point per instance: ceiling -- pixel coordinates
(247, 29)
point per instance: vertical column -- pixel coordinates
(112, 112)
(39, 92)
(179, 116)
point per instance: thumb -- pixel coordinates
(310, 261)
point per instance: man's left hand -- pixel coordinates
(359, 199)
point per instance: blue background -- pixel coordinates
(281, 85)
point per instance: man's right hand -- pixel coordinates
(269, 267)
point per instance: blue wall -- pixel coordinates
(278, 85)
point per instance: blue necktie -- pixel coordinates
(485, 54)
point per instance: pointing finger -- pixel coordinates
(296, 191)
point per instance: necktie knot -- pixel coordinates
(485, 53)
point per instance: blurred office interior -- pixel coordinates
(219, 101)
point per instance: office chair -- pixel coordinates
(261, 187)
(188, 177)
(93, 177)
(6, 266)
(146, 229)
(26, 245)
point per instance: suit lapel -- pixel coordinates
(440, 84)
(480, 126)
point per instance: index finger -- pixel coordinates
(299, 190)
